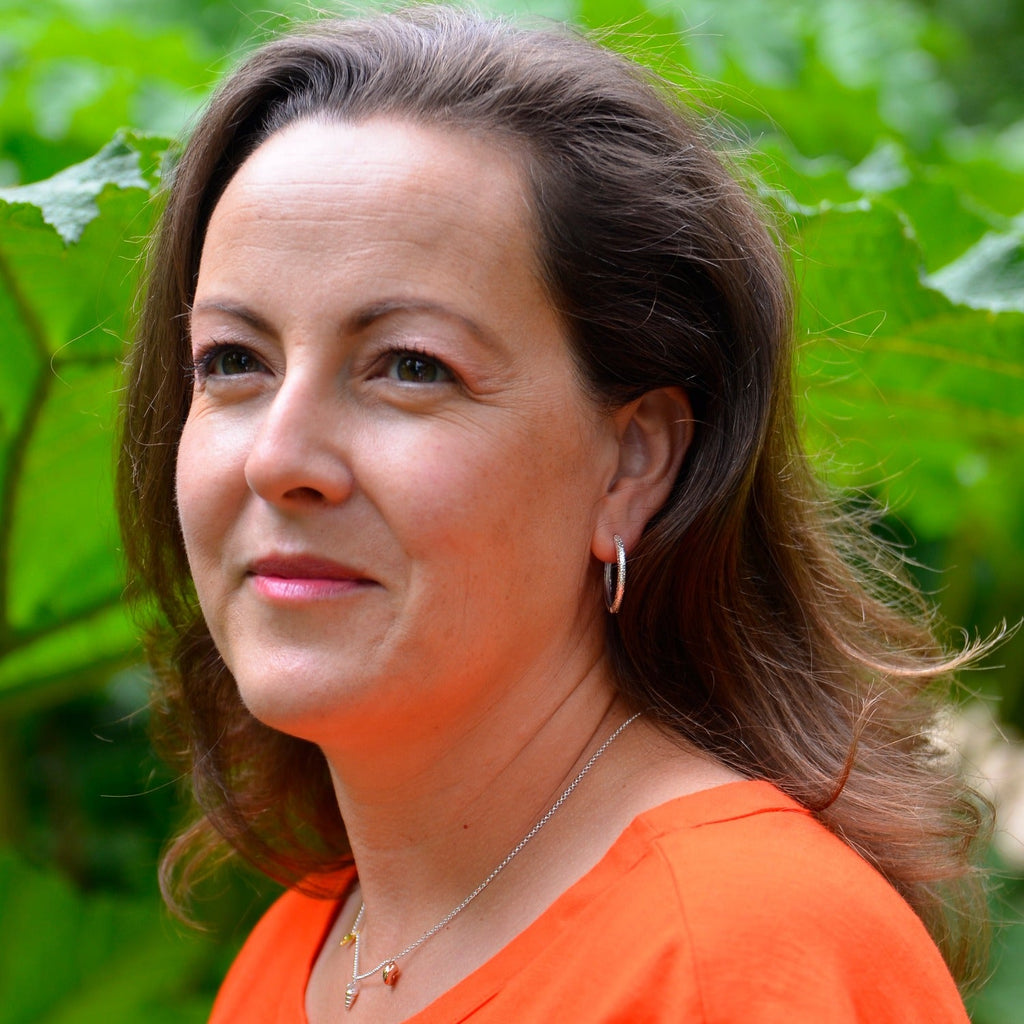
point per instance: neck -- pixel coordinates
(388, 967)
(426, 830)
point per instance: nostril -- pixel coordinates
(305, 494)
(296, 476)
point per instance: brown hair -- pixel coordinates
(762, 622)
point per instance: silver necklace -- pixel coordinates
(388, 967)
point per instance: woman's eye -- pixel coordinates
(228, 361)
(414, 368)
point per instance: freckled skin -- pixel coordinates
(466, 504)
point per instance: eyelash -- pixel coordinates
(203, 364)
(202, 367)
(389, 357)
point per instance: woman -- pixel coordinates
(450, 327)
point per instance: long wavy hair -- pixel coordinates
(764, 622)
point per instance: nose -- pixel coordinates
(298, 455)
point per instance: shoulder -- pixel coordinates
(732, 904)
(773, 909)
(749, 838)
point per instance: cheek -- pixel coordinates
(192, 481)
(445, 482)
(206, 483)
(187, 481)
(486, 488)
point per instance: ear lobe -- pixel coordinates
(654, 433)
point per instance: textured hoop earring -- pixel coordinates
(615, 577)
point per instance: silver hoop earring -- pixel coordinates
(615, 577)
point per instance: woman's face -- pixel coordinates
(389, 478)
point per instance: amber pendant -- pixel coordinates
(390, 973)
(351, 994)
(347, 939)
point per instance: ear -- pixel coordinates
(653, 432)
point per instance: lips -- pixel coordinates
(291, 578)
(303, 567)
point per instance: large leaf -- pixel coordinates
(68, 199)
(69, 253)
(907, 389)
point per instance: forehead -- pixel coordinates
(384, 204)
(317, 169)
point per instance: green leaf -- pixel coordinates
(904, 392)
(68, 200)
(66, 292)
(990, 275)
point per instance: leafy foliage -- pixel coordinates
(99, 958)
(69, 247)
(907, 233)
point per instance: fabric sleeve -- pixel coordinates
(790, 926)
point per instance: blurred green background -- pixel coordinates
(888, 138)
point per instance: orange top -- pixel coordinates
(729, 905)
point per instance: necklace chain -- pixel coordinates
(388, 966)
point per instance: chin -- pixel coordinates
(308, 720)
(294, 701)
(310, 705)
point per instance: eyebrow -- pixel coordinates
(360, 320)
(377, 310)
(236, 310)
